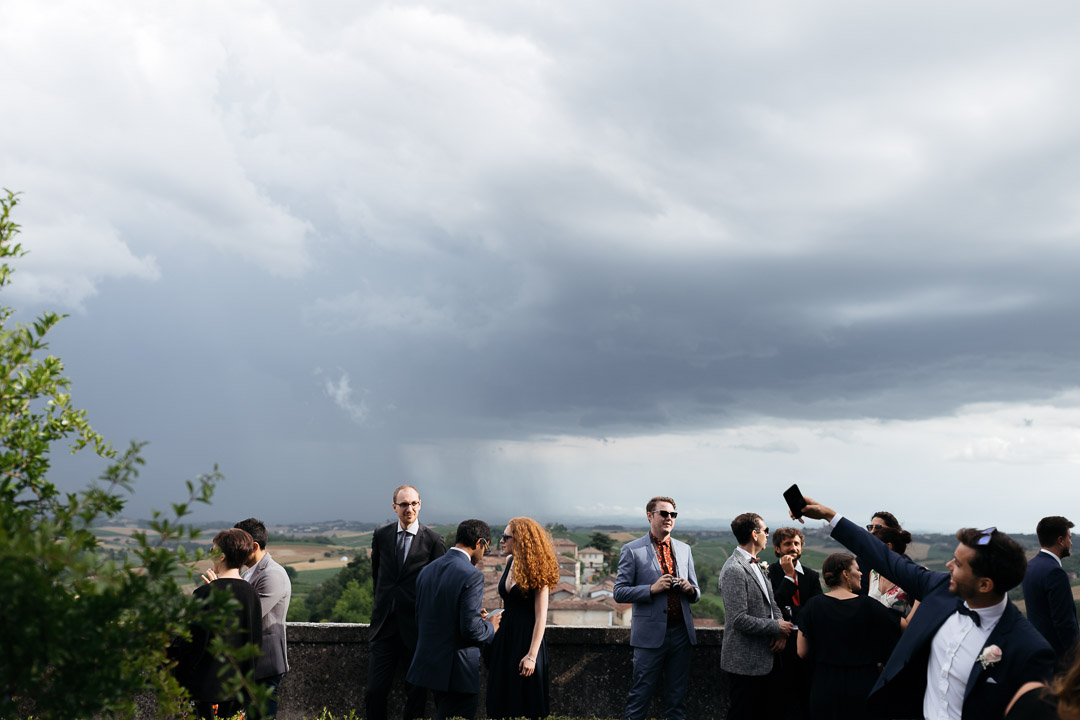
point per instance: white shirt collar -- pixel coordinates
(412, 529)
(462, 552)
(1052, 554)
(989, 616)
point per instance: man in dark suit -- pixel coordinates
(967, 649)
(450, 624)
(399, 551)
(1047, 592)
(793, 585)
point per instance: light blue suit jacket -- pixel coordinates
(638, 569)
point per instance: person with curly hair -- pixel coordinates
(518, 679)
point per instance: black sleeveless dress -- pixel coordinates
(509, 695)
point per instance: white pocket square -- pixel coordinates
(991, 680)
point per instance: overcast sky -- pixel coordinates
(551, 259)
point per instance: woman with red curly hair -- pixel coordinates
(518, 678)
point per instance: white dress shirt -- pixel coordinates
(952, 656)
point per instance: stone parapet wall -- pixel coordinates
(590, 672)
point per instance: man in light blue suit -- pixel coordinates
(656, 574)
(450, 624)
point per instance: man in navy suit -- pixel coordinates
(399, 551)
(1047, 592)
(656, 574)
(967, 649)
(450, 624)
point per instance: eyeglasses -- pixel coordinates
(665, 514)
(404, 505)
(487, 544)
(874, 527)
(985, 535)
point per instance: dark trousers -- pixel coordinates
(271, 683)
(672, 660)
(385, 656)
(750, 695)
(454, 705)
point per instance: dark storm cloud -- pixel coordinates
(320, 248)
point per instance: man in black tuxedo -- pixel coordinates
(450, 619)
(1047, 592)
(967, 649)
(793, 586)
(399, 551)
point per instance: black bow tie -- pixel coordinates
(965, 610)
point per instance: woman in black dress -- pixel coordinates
(518, 678)
(848, 637)
(198, 669)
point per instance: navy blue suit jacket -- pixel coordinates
(449, 593)
(1050, 606)
(902, 684)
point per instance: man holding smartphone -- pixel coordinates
(656, 574)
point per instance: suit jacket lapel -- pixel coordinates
(755, 573)
(997, 637)
(651, 549)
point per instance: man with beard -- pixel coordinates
(967, 650)
(793, 585)
(1047, 593)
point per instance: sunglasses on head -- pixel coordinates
(666, 514)
(985, 536)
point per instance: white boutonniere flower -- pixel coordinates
(991, 655)
(764, 567)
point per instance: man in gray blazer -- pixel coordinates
(754, 629)
(656, 574)
(272, 583)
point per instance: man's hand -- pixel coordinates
(787, 564)
(662, 584)
(210, 576)
(786, 628)
(815, 511)
(778, 644)
(684, 585)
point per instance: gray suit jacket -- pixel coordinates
(272, 583)
(749, 624)
(638, 569)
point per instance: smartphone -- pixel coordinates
(794, 499)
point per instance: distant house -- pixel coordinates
(592, 558)
(569, 572)
(563, 591)
(579, 612)
(565, 546)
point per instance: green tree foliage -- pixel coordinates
(355, 603)
(322, 602)
(83, 631)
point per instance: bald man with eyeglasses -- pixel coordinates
(399, 551)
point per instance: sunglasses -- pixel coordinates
(507, 537)
(665, 514)
(985, 536)
(874, 527)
